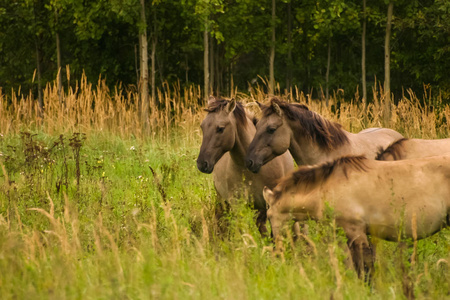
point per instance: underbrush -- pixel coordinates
(100, 217)
(98, 203)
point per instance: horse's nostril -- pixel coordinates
(205, 165)
(249, 163)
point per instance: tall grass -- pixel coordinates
(87, 108)
(96, 204)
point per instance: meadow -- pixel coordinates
(97, 204)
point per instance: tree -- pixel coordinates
(289, 61)
(143, 50)
(272, 51)
(332, 16)
(387, 62)
(363, 58)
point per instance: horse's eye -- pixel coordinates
(220, 129)
(271, 130)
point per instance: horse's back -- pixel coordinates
(416, 148)
(369, 141)
(389, 191)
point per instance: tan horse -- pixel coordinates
(309, 137)
(389, 200)
(227, 132)
(414, 148)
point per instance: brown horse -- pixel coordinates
(414, 148)
(389, 200)
(310, 138)
(227, 132)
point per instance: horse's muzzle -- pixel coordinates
(205, 167)
(252, 166)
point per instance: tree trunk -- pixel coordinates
(187, 68)
(153, 61)
(39, 84)
(363, 59)
(218, 77)
(38, 63)
(136, 55)
(143, 84)
(206, 60)
(387, 67)
(289, 54)
(58, 58)
(272, 53)
(327, 75)
(211, 65)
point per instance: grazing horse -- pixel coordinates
(310, 138)
(389, 200)
(414, 148)
(227, 132)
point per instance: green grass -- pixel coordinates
(123, 233)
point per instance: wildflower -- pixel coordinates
(132, 148)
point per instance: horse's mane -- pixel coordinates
(239, 112)
(309, 177)
(329, 135)
(393, 149)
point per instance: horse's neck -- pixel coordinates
(307, 151)
(244, 136)
(307, 204)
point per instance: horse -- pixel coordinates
(227, 132)
(309, 137)
(414, 148)
(389, 200)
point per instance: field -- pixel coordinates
(96, 204)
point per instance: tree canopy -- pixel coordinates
(102, 38)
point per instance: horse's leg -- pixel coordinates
(407, 282)
(222, 209)
(360, 248)
(261, 222)
(296, 230)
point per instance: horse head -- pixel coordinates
(272, 137)
(218, 133)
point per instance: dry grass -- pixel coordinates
(87, 109)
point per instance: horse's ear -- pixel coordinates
(268, 196)
(277, 109)
(231, 105)
(211, 100)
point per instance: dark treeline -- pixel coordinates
(314, 45)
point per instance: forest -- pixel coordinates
(318, 47)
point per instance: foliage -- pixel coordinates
(101, 37)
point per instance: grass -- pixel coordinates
(94, 205)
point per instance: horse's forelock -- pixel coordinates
(239, 111)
